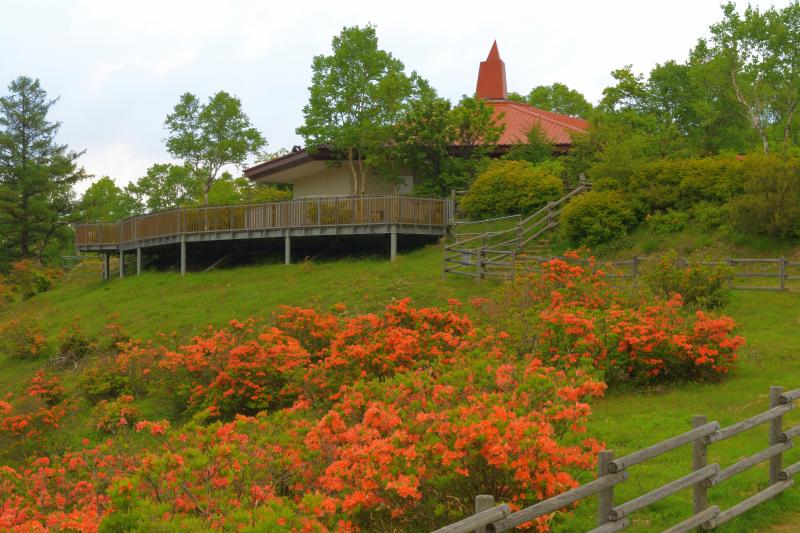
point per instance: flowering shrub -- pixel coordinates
(707, 287)
(570, 317)
(317, 422)
(26, 278)
(22, 338)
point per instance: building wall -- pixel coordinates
(337, 181)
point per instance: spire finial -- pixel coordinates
(492, 77)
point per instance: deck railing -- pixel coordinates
(320, 212)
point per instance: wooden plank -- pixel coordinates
(471, 523)
(662, 492)
(749, 503)
(655, 450)
(750, 423)
(557, 502)
(790, 433)
(696, 520)
(790, 396)
(749, 462)
(611, 527)
(789, 472)
(483, 502)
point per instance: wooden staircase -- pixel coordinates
(496, 253)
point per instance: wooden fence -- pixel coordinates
(304, 213)
(612, 471)
(779, 270)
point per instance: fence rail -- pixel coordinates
(321, 212)
(611, 472)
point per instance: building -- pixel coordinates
(313, 175)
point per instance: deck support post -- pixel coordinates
(183, 255)
(106, 266)
(121, 264)
(138, 260)
(393, 244)
(287, 250)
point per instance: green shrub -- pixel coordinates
(669, 222)
(99, 382)
(707, 287)
(22, 338)
(597, 217)
(770, 204)
(26, 278)
(708, 216)
(511, 187)
(74, 345)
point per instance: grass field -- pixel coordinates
(626, 419)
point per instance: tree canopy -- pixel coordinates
(37, 174)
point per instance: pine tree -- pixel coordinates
(36, 175)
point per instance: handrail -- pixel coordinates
(330, 211)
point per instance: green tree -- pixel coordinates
(36, 174)
(104, 201)
(559, 98)
(209, 136)
(357, 95)
(166, 186)
(536, 150)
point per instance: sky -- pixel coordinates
(120, 66)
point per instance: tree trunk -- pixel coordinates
(362, 174)
(352, 169)
(24, 233)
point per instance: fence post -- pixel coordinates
(699, 461)
(549, 213)
(782, 273)
(481, 259)
(483, 502)
(605, 498)
(635, 267)
(775, 434)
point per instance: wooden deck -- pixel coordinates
(330, 215)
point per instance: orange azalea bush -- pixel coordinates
(569, 315)
(318, 422)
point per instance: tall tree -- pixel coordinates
(36, 173)
(104, 201)
(357, 94)
(166, 186)
(207, 137)
(559, 98)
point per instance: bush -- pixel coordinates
(770, 204)
(666, 223)
(27, 279)
(22, 338)
(708, 216)
(707, 287)
(101, 381)
(73, 346)
(596, 217)
(569, 317)
(112, 416)
(510, 188)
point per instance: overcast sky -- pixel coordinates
(119, 66)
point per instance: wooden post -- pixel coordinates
(483, 502)
(183, 255)
(106, 266)
(549, 213)
(481, 258)
(605, 498)
(121, 264)
(138, 260)
(782, 274)
(393, 244)
(700, 461)
(775, 434)
(287, 250)
(635, 267)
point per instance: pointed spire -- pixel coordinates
(492, 77)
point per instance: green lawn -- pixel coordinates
(626, 420)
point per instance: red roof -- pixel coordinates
(519, 117)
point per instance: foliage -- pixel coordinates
(707, 287)
(104, 201)
(166, 186)
(73, 346)
(770, 204)
(367, 421)
(708, 216)
(666, 223)
(569, 316)
(26, 278)
(36, 175)
(209, 136)
(22, 338)
(357, 95)
(596, 217)
(510, 187)
(537, 149)
(559, 98)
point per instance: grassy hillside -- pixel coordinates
(626, 419)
